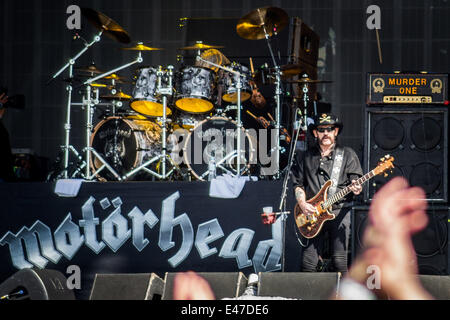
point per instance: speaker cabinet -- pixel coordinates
(417, 138)
(133, 286)
(36, 284)
(223, 284)
(431, 244)
(437, 286)
(298, 285)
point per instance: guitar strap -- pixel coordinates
(337, 166)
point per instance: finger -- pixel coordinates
(417, 221)
(395, 184)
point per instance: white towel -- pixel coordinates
(227, 186)
(68, 188)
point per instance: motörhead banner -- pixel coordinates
(142, 227)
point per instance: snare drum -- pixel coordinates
(195, 89)
(125, 144)
(230, 80)
(145, 99)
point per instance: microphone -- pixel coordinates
(7, 296)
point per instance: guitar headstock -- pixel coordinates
(385, 164)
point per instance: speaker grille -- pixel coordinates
(431, 244)
(417, 139)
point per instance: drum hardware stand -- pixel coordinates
(67, 126)
(238, 150)
(89, 104)
(278, 93)
(164, 92)
(139, 59)
(305, 105)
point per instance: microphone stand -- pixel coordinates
(282, 206)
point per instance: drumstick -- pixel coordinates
(270, 116)
(252, 114)
(251, 67)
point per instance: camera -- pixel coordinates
(15, 101)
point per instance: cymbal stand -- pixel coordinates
(89, 104)
(239, 125)
(165, 92)
(278, 93)
(67, 126)
(305, 106)
(139, 59)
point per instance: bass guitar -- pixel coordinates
(310, 225)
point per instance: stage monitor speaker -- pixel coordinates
(223, 284)
(36, 284)
(299, 285)
(437, 286)
(133, 286)
(417, 138)
(431, 244)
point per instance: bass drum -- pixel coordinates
(125, 144)
(212, 144)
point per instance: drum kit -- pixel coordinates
(170, 127)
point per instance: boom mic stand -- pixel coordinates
(67, 126)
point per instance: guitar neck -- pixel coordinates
(341, 194)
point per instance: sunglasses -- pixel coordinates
(327, 129)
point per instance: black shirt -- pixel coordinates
(310, 171)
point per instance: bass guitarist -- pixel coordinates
(323, 161)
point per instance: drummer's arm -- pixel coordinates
(257, 99)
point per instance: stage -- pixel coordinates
(143, 227)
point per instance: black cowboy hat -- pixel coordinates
(325, 119)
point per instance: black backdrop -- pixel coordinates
(35, 43)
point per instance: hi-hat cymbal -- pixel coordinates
(89, 69)
(269, 19)
(118, 96)
(199, 45)
(141, 47)
(308, 80)
(102, 22)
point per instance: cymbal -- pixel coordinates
(101, 85)
(141, 47)
(118, 96)
(290, 70)
(116, 78)
(308, 80)
(199, 45)
(252, 25)
(102, 22)
(90, 69)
